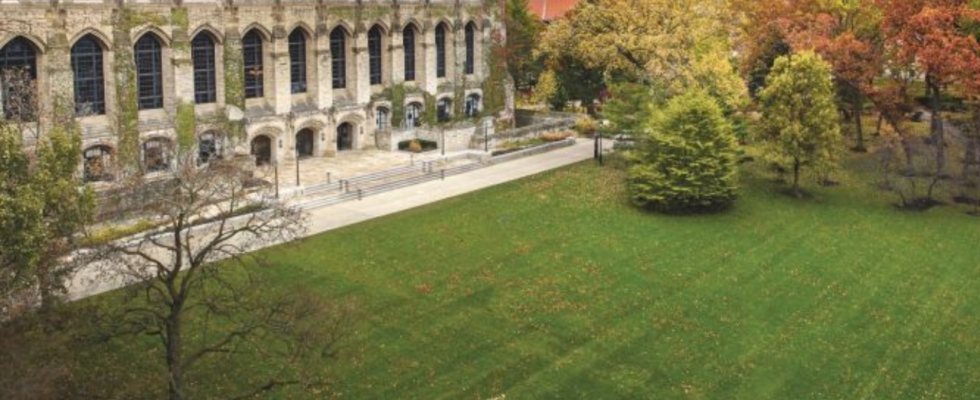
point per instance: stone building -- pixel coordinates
(273, 79)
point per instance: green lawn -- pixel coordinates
(555, 288)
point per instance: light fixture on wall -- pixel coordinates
(280, 143)
(323, 136)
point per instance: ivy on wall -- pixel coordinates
(429, 116)
(234, 87)
(124, 65)
(186, 126)
(397, 105)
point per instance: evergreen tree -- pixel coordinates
(687, 162)
(523, 32)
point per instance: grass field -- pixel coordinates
(555, 288)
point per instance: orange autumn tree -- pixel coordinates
(845, 34)
(928, 36)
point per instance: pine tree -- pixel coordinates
(687, 162)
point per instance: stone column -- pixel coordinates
(56, 90)
(362, 77)
(397, 52)
(282, 98)
(324, 91)
(428, 80)
(183, 75)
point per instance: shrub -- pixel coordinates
(586, 126)
(688, 160)
(417, 145)
(556, 136)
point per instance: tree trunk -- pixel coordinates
(796, 177)
(881, 119)
(174, 356)
(858, 123)
(936, 125)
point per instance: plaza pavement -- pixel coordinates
(92, 280)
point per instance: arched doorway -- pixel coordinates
(262, 149)
(304, 143)
(345, 136)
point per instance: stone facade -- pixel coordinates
(279, 114)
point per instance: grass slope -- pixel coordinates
(555, 288)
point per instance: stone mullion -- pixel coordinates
(362, 77)
(280, 56)
(324, 89)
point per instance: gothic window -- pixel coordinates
(374, 54)
(443, 109)
(472, 105)
(202, 54)
(413, 115)
(297, 61)
(18, 60)
(98, 164)
(381, 118)
(408, 43)
(441, 51)
(86, 65)
(156, 155)
(338, 57)
(253, 63)
(208, 147)
(470, 51)
(149, 72)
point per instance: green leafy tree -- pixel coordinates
(629, 109)
(523, 33)
(42, 209)
(687, 162)
(800, 120)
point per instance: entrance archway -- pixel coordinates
(345, 137)
(262, 149)
(304, 143)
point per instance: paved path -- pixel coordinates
(352, 212)
(89, 281)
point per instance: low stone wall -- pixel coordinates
(456, 138)
(540, 124)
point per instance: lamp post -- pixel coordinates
(442, 133)
(486, 137)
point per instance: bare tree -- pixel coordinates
(191, 281)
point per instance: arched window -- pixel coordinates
(444, 109)
(413, 115)
(441, 50)
(98, 164)
(156, 155)
(374, 54)
(252, 61)
(86, 64)
(472, 105)
(408, 43)
(338, 57)
(470, 51)
(381, 116)
(18, 61)
(149, 72)
(297, 61)
(202, 54)
(209, 147)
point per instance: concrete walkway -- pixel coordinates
(352, 212)
(90, 281)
